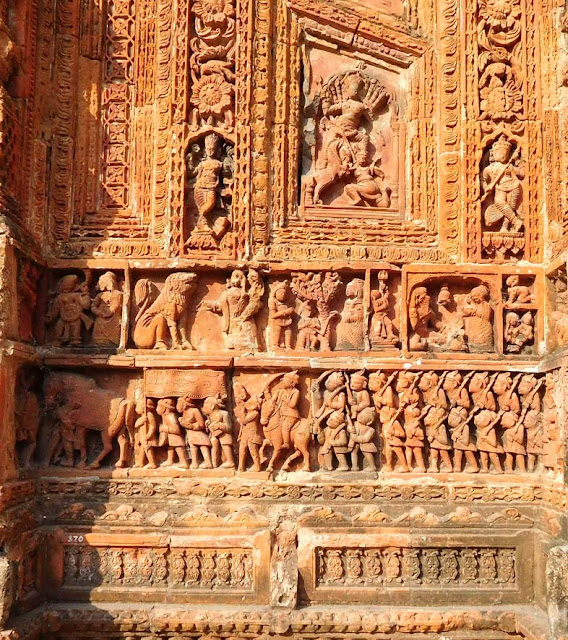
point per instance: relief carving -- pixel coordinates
(501, 200)
(347, 164)
(161, 322)
(238, 306)
(76, 406)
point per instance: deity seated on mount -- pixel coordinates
(354, 140)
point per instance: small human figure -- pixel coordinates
(480, 388)
(250, 436)
(478, 318)
(440, 446)
(459, 422)
(359, 397)
(192, 421)
(454, 387)
(514, 439)
(504, 387)
(107, 309)
(28, 415)
(238, 306)
(68, 310)
(511, 334)
(351, 328)
(166, 408)
(529, 388)
(381, 386)
(309, 328)
(334, 440)
(487, 443)
(280, 317)
(518, 293)
(146, 438)
(334, 400)
(414, 443)
(393, 437)
(381, 331)
(221, 430)
(361, 438)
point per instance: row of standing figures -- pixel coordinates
(449, 418)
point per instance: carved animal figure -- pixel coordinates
(165, 318)
(283, 425)
(88, 407)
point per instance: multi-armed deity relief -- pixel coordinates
(350, 142)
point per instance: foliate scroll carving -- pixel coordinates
(212, 64)
(391, 567)
(500, 79)
(191, 569)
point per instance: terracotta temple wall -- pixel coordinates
(283, 319)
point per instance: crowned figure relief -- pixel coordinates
(348, 161)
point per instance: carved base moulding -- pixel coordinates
(313, 623)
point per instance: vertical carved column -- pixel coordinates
(450, 103)
(260, 182)
(65, 74)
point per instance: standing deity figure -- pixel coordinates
(171, 433)
(146, 438)
(68, 310)
(196, 434)
(238, 305)
(207, 182)
(166, 318)
(478, 319)
(382, 328)
(502, 187)
(280, 317)
(107, 309)
(221, 431)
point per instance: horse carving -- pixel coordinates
(282, 424)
